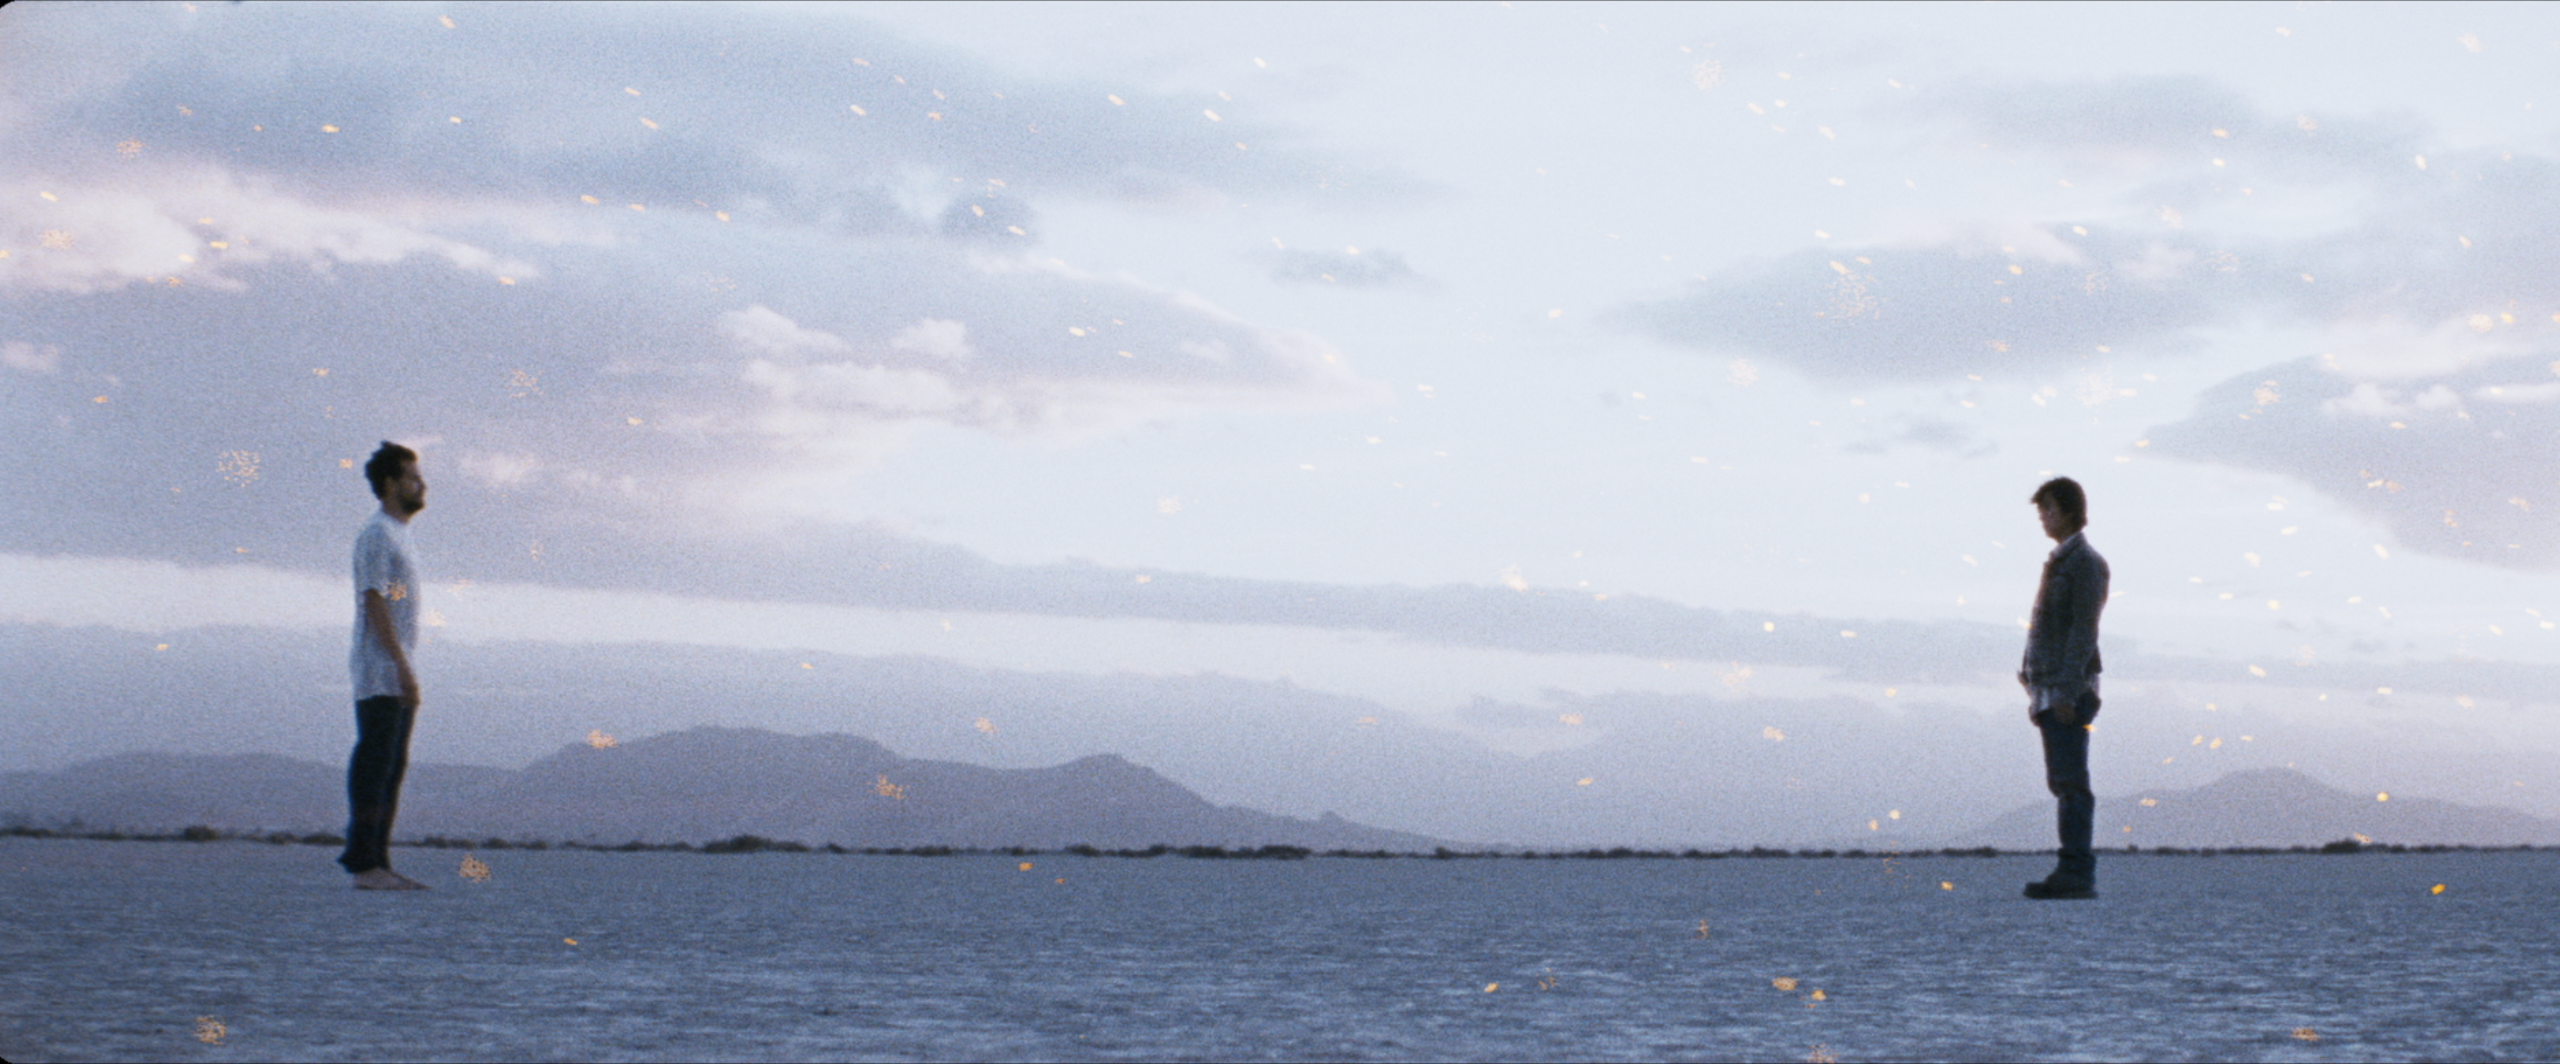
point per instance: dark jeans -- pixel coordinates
(2066, 774)
(373, 781)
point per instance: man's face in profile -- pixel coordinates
(407, 493)
(2057, 524)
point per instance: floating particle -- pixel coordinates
(210, 1030)
(1116, 101)
(886, 789)
(570, 941)
(1773, 735)
(987, 726)
(474, 869)
(328, 129)
(238, 467)
(1491, 987)
(1024, 866)
(1571, 719)
(2383, 796)
(129, 148)
(1946, 885)
(1583, 782)
(600, 741)
(1702, 929)
(2437, 889)
(446, 19)
(2306, 1034)
(1782, 982)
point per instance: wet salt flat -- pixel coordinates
(122, 951)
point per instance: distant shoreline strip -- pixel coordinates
(761, 844)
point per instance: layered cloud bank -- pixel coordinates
(626, 276)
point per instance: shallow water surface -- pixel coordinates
(122, 951)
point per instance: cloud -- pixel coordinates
(1350, 268)
(626, 275)
(2184, 246)
(2456, 461)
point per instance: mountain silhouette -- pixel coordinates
(697, 785)
(2271, 807)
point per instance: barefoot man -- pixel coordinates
(2061, 677)
(386, 686)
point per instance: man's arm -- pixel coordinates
(377, 618)
(2085, 598)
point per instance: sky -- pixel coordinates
(1489, 369)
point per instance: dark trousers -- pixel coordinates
(381, 758)
(2066, 774)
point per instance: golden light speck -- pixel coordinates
(48, 197)
(2306, 1034)
(2150, 801)
(642, 208)
(1557, 312)
(588, 199)
(1145, 579)
(328, 129)
(219, 245)
(886, 789)
(238, 467)
(1075, 330)
(1768, 626)
(935, 115)
(346, 463)
(1894, 815)
(570, 941)
(210, 1030)
(1946, 885)
(806, 665)
(597, 739)
(722, 215)
(455, 119)
(1491, 987)
(986, 726)
(1213, 115)
(446, 19)
(2438, 889)
(1702, 929)
(2383, 796)
(506, 280)
(629, 91)
(1571, 719)
(1583, 782)
(129, 148)
(631, 421)
(1773, 735)
(1116, 101)
(163, 646)
(1782, 982)
(857, 109)
(648, 123)
(1024, 866)
(474, 869)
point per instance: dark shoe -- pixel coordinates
(2056, 888)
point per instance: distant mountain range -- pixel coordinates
(2271, 807)
(697, 786)
(707, 784)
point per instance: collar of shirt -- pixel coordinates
(2064, 547)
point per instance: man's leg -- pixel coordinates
(2066, 774)
(372, 780)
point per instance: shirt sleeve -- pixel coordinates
(373, 568)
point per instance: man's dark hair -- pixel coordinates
(2065, 494)
(386, 464)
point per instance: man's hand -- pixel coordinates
(408, 687)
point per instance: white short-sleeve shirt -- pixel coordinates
(383, 563)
